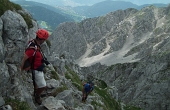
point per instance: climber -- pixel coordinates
(34, 54)
(87, 89)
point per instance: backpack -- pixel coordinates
(27, 64)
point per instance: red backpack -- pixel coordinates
(27, 64)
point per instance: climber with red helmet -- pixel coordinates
(34, 55)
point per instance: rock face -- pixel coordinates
(17, 86)
(1, 42)
(14, 36)
(89, 35)
(118, 37)
(128, 49)
(13, 39)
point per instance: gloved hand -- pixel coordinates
(45, 61)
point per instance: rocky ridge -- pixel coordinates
(141, 80)
(63, 76)
(128, 49)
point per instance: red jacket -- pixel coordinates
(38, 57)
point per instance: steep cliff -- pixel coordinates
(128, 49)
(64, 78)
(125, 53)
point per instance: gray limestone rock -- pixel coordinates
(2, 53)
(2, 102)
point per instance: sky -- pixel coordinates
(141, 2)
(72, 2)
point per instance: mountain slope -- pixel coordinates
(144, 83)
(114, 38)
(63, 83)
(60, 14)
(128, 49)
(51, 15)
(105, 7)
(52, 18)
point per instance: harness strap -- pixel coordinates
(33, 46)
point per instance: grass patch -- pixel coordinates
(27, 19)
(7, 5)
(95, 104)
(55, 75)
(48, 43)
(78, 86)
(101, 21)
(102, 84)
(74, 78)
(108, 101)
(55, 68)
(17, 105)
(67, 75)
(58, 90)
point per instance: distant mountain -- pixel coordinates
(65, 2)
(155, 4)
(125, 53)
(104, 7)
(91, 2)
(43, 14)
(51, 15)
(87, 2)
(49, 2)
(54, 15)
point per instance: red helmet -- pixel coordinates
(42, 34)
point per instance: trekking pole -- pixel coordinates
(33, 79)
(20, 77)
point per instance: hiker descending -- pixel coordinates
(34, 55)
(87, 89)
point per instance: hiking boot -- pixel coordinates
(38, 99)
(83, 101)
